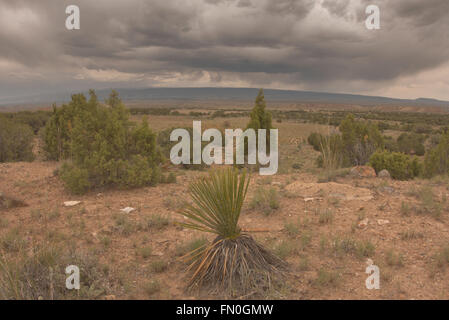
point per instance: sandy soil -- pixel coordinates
(302, 202)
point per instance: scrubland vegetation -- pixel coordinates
(101, 147)
(359, 142)
(305, 233)
(16, 141)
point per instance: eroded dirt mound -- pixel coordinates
(9, 202)
(331, 189)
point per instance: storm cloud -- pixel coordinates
(318, 45)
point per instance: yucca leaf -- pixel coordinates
(217, 203)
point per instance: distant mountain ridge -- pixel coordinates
(211, 93)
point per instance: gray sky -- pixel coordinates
(320, 45)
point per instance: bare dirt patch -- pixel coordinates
(326, 251)
(330, 189)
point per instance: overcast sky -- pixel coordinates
(320, 45)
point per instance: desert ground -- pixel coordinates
(328, 227)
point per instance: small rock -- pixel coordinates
(384, 174)
(71, 203)
(369, 262)
(387, 189)
(382, 222)
(308, 199)
(363, 224)
(362, 172)
(127, 210)
(110, 297)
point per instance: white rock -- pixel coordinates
(71, 203)
(127, 210)
(363, 223)
(382, 222)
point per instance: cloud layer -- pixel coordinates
(320, 45)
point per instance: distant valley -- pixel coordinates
(227, 94)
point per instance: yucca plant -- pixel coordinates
(234, 263)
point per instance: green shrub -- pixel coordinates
(437, 159)
(411, 144)
(360, 139)
(260, 118)
(314, 140)
(103, 146)
(57, 131)
(357, 142)
(390, 144)
(76, 179)
(16, 141)
(399, 165)
(265, 199)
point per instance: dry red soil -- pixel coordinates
(415, 274)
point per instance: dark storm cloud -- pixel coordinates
(286, 7)
(319, 45)
(336, 7)
(423, 13)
